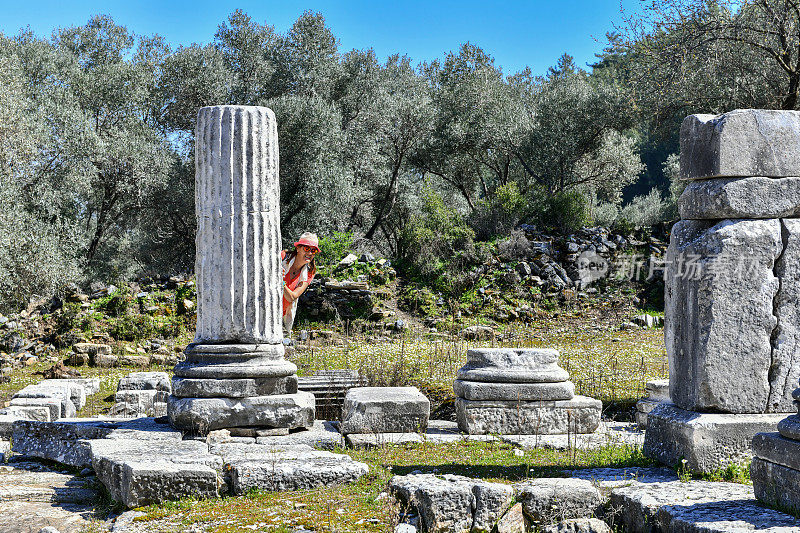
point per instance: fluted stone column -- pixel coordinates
(234, 374)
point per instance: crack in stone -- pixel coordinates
(776, 330)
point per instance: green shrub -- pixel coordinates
(501, 213)
(436, 244)
(418, 300)
(186, 291)
(334, 247)
(566, 211)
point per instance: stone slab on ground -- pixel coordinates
(298, 467)
(453, 503)
(578, 415)
(141, 473)
(578, 525)
(201, 415)
(53, 405)
(385, 410)
(776, 485)
(742, 142)
(707, 441)
(695, 507)
(610, 478)
(324, 435)
(67, 440)
(35, 496)
(607, 434)
(749, 197)
(719, 322)
(145, 381)
(90, 385)
(376, 440)
(548, 500)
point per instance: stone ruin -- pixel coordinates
(235, 374)
(522, 392)
(732, 288)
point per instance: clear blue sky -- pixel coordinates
(516, 34)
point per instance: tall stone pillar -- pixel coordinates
(234, 374)
(731, 289)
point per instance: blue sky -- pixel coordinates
(516, 34)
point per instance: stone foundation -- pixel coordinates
(706, 441)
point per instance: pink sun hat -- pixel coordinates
(309, 239)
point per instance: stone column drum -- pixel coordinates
(234, 374)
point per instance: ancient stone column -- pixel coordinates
(731, 289)
(234, 374)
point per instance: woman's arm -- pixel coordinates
(295, 294)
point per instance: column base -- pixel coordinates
(198, 416)
(581, 414)
(707, 442)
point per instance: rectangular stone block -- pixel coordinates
(233, 388)
(776, 485)
(67, 440)
(78, 391)
(784, 371)
(743, 142)
(753, 197)
(385, 410)
(60, 392)
(53, 404)
(19, 412)
(708, 442)
(777, 449)
(145, 381)
(143, 473)
(90, 385)
(201, 415)
(479, 417)
(719, 291)
(295, 467)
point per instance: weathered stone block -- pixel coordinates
(743, 142)
(201, 415)
(19, 412)
(706, 441)
(285, 467)
(478, 390)
(719, 291)
(142, 473)
(658, 390)
(91, 349)
(776, 485)
(323, 436)
(694, 507)
(752, 197)
(78, 390)
(479, 417)
(62, 393)
(578, 525)
(67, 441)
(512, 365)
(235, 369)
(453, 503)
(53, 404)
(777, 449)
(233, 388)
(548, 500)
(784, 372)
(145, 381)
(385, 410)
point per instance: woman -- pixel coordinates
(298, 271)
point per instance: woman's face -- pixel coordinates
(305, 254)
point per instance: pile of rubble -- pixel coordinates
(50, 399)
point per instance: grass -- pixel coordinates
(359, 506)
